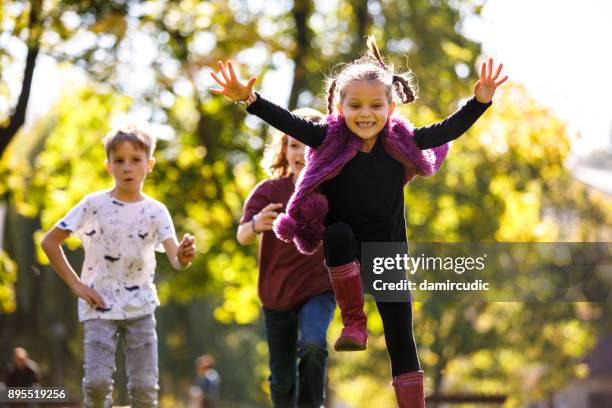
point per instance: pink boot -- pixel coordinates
(346, 282)
(409, 390)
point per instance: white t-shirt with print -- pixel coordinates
(119, 239)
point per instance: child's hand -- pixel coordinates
(90, 295)
(231, 85)
(186, 250)
(263, 220)
(487, 84)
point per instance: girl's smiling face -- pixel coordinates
(366, 106)
(294, 153)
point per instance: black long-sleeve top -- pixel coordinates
(367, 194)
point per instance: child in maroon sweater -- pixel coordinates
(295, 290)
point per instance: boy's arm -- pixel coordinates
(180, 254)
(52, 245)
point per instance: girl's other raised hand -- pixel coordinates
(488, 83)
(230, 85)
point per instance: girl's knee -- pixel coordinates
(338, 231)
(339, 244)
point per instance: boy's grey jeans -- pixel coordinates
(140, 346)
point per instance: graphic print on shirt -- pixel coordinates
(120, 255)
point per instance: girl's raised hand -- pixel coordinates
(230, 84)
(488, 83)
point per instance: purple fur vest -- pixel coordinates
(303, 222)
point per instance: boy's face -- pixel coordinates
(129, 165)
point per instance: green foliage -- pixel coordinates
(503, 181)
(72, 162)
(87, 33)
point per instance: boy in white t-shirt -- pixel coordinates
(120, 230)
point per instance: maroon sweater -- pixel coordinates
(286, 277)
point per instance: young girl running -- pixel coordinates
(351, 190)
(297, 298)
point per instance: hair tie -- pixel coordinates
(396, 78)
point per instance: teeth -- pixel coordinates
(365, 124)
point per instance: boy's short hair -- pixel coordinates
(131, 133)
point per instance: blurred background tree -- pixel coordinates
(504, 181)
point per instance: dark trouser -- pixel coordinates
(341, 247)
(299, 333)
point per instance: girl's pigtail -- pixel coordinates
(375, 53)
(331, 91)
(403, 89)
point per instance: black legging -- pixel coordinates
(341, 246)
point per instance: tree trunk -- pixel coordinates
(362, 18)
(2, 220)
(437, 377)
(17, 118)
(302, 10)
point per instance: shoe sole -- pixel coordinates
(348, 345)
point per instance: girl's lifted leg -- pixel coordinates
(341, 254)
